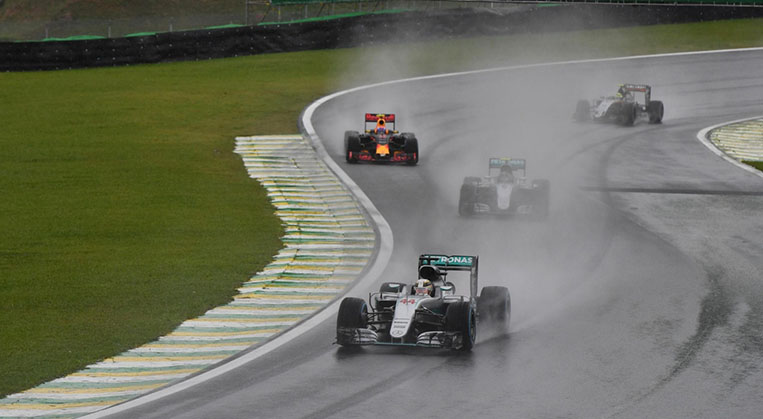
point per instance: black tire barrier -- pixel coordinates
(344, 32)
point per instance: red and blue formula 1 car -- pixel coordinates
(381, 143)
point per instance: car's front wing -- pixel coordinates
(396, 157)
(433, 339)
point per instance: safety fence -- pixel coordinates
(494, 3)
(340, 33)
(254, 12)
(251, 12)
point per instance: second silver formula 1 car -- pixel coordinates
(631, 103)
(504, 192)
(428, 313)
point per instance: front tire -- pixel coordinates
(411, 147)
(542, 198)
(582, 111)
(628, 114)
(461, 318)
(352, 146)
(353, 314)
(466, 199)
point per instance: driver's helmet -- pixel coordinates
(423, 287)
(505, 178)
(506, 175)
(380, 127)
(622, 92)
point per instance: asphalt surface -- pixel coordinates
(640, 296)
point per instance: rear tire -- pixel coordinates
(494, 307)
(351, 146)
(353, 314)
(655, 110)
(461, 318)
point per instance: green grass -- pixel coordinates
(756, 164)
(125, 211)
(15, 10)
(27, 19)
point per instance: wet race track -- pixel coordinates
(640, 296)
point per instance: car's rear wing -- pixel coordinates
(633, 87)
(641, 88)
(499, 162)
(454, 263)
(388, 118)
(374, 117)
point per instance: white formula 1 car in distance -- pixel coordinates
(504, 192)
(631, 103)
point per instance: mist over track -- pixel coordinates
(627, 302)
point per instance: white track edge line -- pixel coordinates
(385, 249)
(702, 137)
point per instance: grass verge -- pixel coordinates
(756, 164)
(125, 211)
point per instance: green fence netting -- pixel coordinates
(467, 3)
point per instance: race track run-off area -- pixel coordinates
(640, 295)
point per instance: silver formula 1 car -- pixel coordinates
(504, 192)
(633, 102)
(427, 313)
